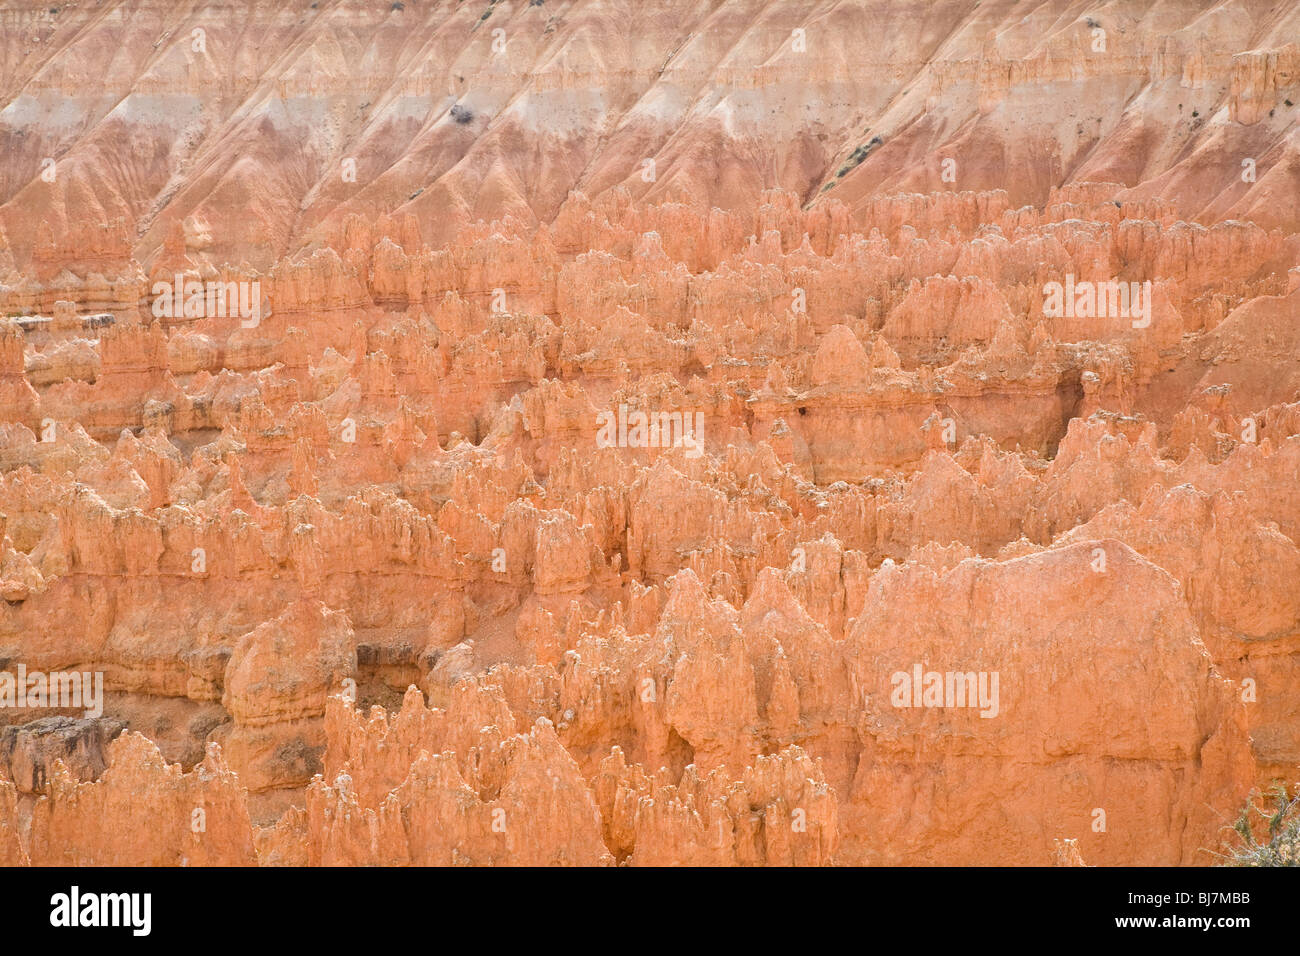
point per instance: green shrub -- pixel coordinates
(1281, 847)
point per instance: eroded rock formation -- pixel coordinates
(758, 510)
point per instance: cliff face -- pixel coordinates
(759, 509)
(262, 127)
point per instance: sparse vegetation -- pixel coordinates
(1281, 843)
(858, 155)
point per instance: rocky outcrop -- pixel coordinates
(29, 752)
(143, 812)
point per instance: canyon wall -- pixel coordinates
(655, 453)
